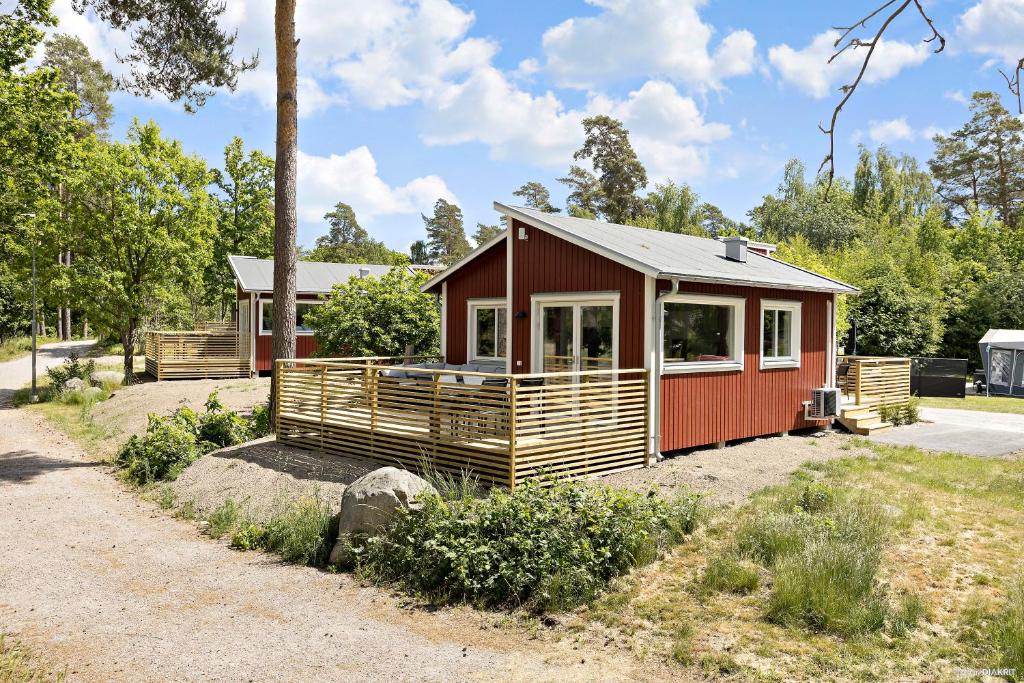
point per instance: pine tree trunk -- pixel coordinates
(285, 219)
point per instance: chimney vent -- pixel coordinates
(736, 249)
(363, 272)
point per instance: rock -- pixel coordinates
(372, 501)
(107, 376)
(74, 384)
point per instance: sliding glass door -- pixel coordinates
(575, 335)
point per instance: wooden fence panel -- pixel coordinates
(518, 426)
(195, 355)
(884, 381)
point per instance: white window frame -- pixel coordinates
(471, 306)
(298, 333)
(576, 300)
(793, 360)
(739, 306)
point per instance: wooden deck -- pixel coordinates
(196, 355)
(515, 426)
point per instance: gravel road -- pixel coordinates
(17, 373)
(109, 586)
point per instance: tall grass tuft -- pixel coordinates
(727, 573)
(1006, 631)
(302, 534)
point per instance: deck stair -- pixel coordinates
(863, 418)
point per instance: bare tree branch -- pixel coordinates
(848, 41)
(1014, 83)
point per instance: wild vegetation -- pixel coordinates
(886, 565)
(547, 546)
(171, 443)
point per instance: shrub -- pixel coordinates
(220, 427)
(167, 447)
(223, 520)
(71, 367)
(303, 534)
(549, 545)
(905, 414)
(259, 421)
(726, 573)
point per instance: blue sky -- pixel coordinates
(403, 101)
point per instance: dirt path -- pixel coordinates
(16, 373)
(110, 586)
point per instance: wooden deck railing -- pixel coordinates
(885, 381)
(501, 428)
(198, 354)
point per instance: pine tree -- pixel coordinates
(446, 236)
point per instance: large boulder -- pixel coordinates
(372, 501)
(107, 377)
(74, 384)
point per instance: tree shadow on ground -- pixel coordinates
(22, 466)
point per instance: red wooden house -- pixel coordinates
(254, 280)
(735, 339)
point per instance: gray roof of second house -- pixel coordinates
(669, 255)
(311, 277)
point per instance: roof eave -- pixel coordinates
(444, 274)
(843, 289)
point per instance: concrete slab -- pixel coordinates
(973, 432)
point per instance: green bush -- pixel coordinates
(59, 374)
(726, 573)
(223, 520)
(905, 414)
(303, 534)
(168, 446)
(549, 545)
(172, 443)
(259, 421)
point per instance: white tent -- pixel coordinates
(1002, 353)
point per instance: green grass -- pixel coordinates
(992, 404)
(891, 564)
(17, 347)
(20, 664)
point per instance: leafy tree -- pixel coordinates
(419, 254)
(143, 226)
(85, 76)
(345, 229)
(21, 30)
(245, 216)
(485, 232)
(370, 251)
(446, 236)
(619, 172)
(15, 311)
(536, 196)
(585, 193)
(673, 208)
(377, 317)
(893, 317)
(982, 163)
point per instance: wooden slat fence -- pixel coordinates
(503, 431)
(196, 355)
(884, 381)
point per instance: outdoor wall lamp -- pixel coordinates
(520, 315)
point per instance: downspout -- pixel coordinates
(658, 353)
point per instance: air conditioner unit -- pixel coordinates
(824, 404)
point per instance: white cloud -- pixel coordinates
(352, 178)
(956, 96)
(893, 130)
(653, 38)
(808, 69)
(994, 27)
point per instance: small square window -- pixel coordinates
(780, 334)
(488, 327)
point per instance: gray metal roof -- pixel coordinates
(668, 255)
(311, 277)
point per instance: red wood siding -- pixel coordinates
(699, 409)
(544, 263)
(482, 278)
(305, 345)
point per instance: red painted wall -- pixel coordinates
(544, 263)
(305, 345)
(698, 409)
(482, 278)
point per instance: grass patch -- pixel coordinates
(303, 534)
(991, 404)
(224, 520)
(18, 347)
(891, 565)
(20, 664)
(548, 546)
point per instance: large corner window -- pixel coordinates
(780, 334)
(301, 308)
(702, 333)
(488, 325)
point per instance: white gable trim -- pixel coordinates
(443, 275)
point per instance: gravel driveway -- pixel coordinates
(17, 373)
(973, 432)
(104, 583)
